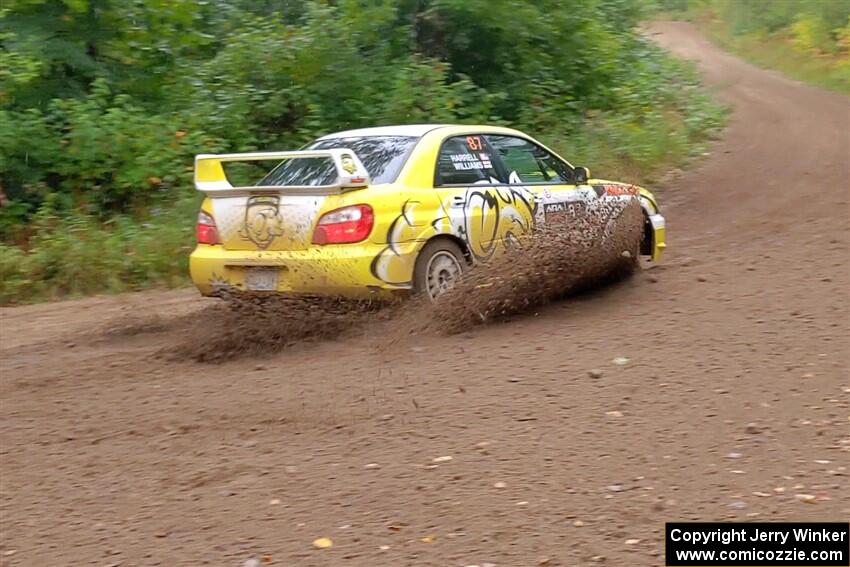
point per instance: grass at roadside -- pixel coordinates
(790, 36)
(777, 51)
(73, 253)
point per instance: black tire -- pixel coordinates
(443, 275)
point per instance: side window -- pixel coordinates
(530, 162)
(465, 160)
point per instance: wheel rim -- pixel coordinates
(442, 272)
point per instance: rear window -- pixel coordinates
(382, 156)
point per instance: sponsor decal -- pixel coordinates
(474, 143)
(462, 162)
(263, 222)
(562, 210)
(348, 164)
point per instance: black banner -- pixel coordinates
(762, 544)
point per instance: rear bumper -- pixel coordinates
(659, 230)
(338, 270)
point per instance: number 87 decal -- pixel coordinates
(474, 143)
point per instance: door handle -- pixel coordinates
(458, 201)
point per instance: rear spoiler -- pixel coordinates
(211, 179)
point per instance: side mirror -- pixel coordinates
(581, 175)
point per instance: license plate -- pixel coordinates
(261, 279)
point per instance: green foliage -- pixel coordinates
(813, 34)
(105, 102)
(71, 43)
(101, 153)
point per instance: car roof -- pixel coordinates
(419, 130)
(413, 130)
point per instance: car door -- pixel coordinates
(479, 205)
(547, 177)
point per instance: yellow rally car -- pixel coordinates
(386, 211)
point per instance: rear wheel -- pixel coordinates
(438, 267)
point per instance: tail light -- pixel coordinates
(206, 231)
(345, 225)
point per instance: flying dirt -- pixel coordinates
(713, 386)
(592, 248)
(247, 325)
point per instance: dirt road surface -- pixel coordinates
(733, 402)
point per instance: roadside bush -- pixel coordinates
(75, 253)
(813, 34)
(101, 153)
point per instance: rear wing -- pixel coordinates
(211, 179)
